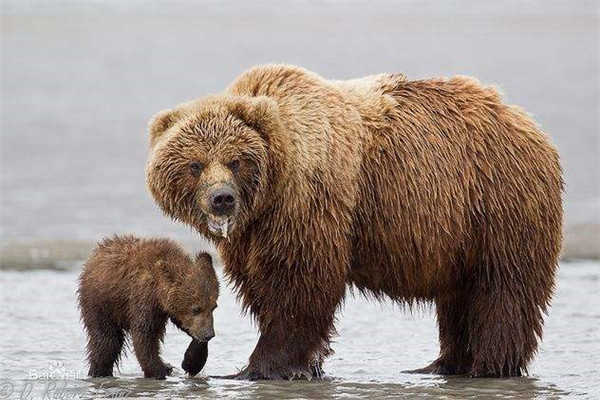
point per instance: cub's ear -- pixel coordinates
(260, 112)
(161, 122)
(203, 257)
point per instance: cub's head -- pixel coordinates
(192, 297)
(211, 161)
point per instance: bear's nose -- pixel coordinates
(222, 201)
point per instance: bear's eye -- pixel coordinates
(234, 165)
(196, 310)
(195, 167)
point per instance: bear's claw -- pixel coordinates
(300, 374)
(438, 367)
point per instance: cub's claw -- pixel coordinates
(160, 372)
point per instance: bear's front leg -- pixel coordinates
(295, 308)
(284, 353)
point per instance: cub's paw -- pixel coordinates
(100, 372)
(195, 357)
(159, 371)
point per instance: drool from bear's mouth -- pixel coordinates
(220, 225)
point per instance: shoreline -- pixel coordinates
(580, 244)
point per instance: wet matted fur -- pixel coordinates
(421, 191)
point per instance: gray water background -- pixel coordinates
(80, 81)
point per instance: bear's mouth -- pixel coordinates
(220, 225)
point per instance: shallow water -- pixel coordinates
(43, 338)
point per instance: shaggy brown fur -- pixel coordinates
(135, 285)
(420, 191)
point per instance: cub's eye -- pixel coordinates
(196, 310)
(195, 167)
(235, 164)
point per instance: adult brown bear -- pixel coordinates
(421, 191)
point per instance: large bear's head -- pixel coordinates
(212, 160)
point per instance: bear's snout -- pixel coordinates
(220, 203)
(222, 200)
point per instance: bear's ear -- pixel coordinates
(161, 122)
(260, 113)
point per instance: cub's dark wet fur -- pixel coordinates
(135, 285)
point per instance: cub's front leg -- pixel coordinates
(146, 338)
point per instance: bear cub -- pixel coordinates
(133, 285)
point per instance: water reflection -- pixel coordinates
(521, 388)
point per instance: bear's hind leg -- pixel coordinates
(452, 316)
(504, 325)
(105, 342)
